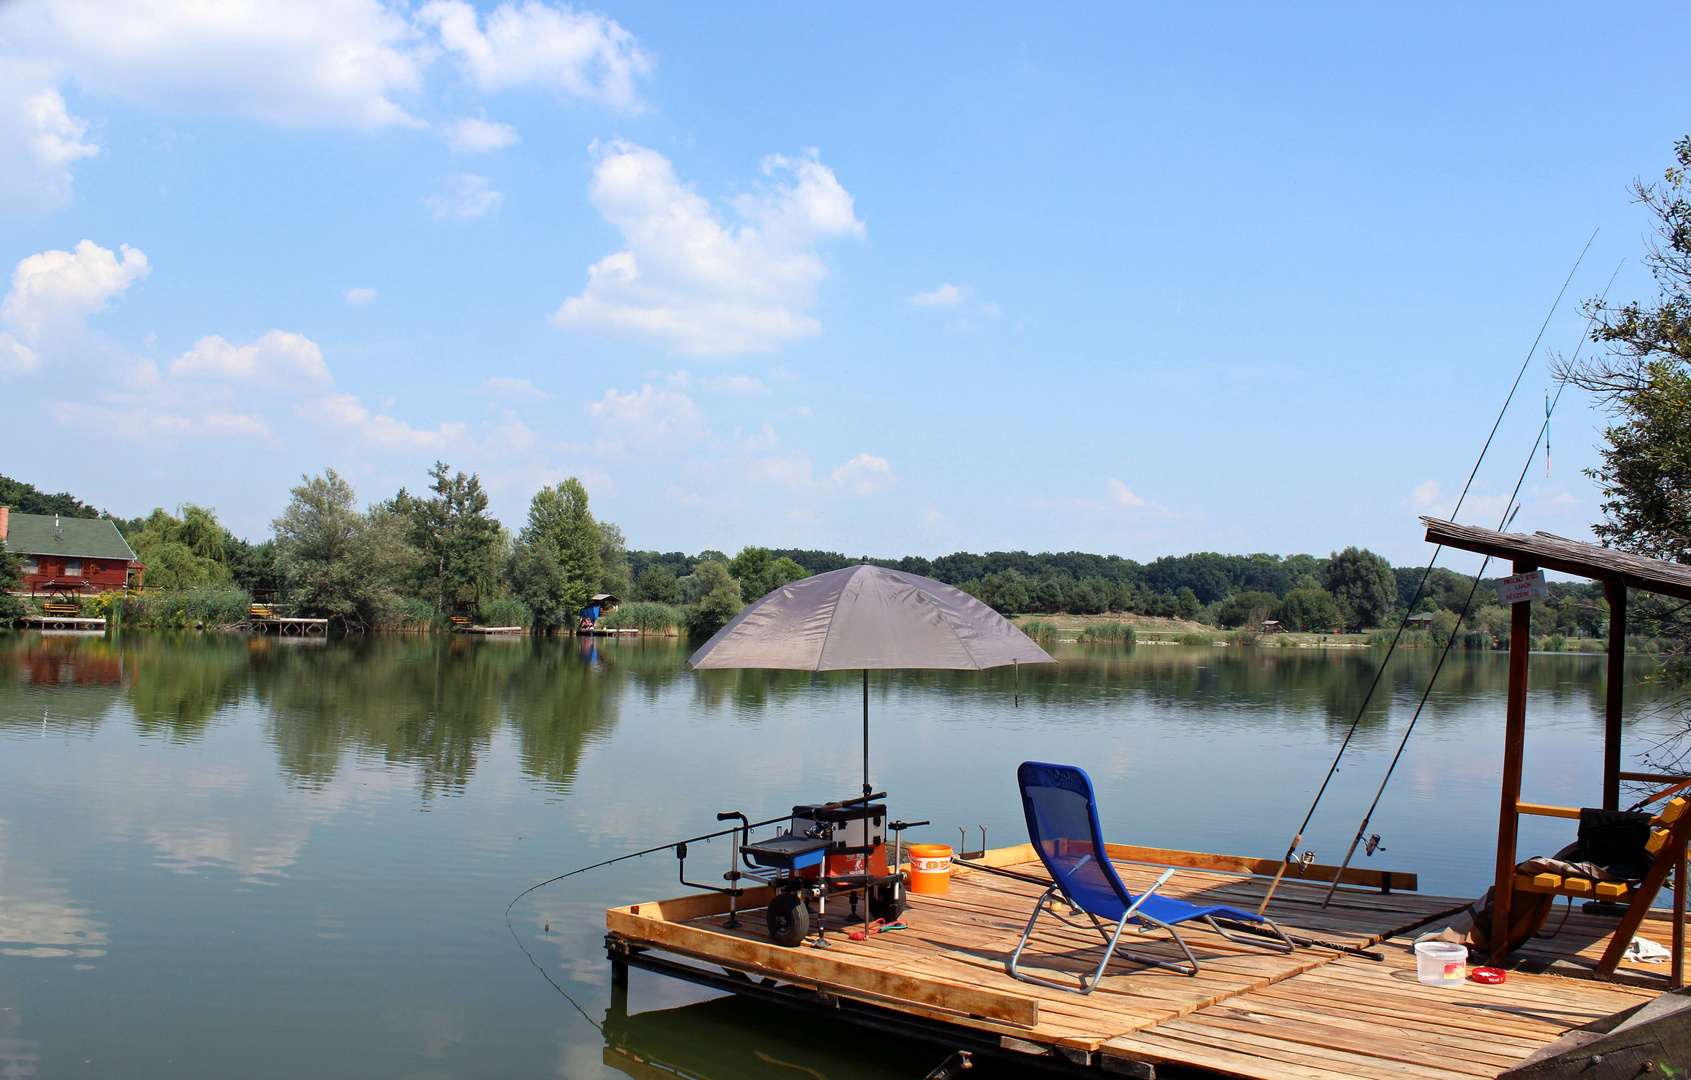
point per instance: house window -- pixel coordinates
(30, 565)
(73, 568)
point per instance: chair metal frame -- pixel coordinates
(1279, 942)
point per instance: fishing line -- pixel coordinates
(1510, 509)
(673, 844)
(1379, 672)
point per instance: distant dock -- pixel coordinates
(286, 627)
(61, 622)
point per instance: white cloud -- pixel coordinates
(344, 412)
(15, 356)
(476, 135)
(39, 141)
(931, 517)
(650, 419)
(465, 196)
(695, 284)
(947, 296)
(738, 385)
(359, 297)
(299, 63)
(517, 388)
(865, 474)
(1121, 495)
(788, 472)
(53, 292)
(1426, 495)
(275, 361)
(582, 53)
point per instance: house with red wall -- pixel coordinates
(69, 554)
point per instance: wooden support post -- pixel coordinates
(1615, 690)
(1514, 745)
(1677, 979)
(1668, 858)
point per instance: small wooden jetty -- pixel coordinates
(491, 630)
(1315, 1013)
(607, 631)
(283, 626)
(62, 622)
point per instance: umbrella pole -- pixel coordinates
(866, 788)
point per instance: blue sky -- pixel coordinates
(1092, 277)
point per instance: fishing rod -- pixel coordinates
(1510, 509)
(1379, 672)
(1231, 924)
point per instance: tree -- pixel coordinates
(11, 577)
(657, 583)
(720, 601)
(1644, 379)
(556, 562)
(1363, 585)
(751, 569)
(786, 571)
(337, 562)
(459, 542)
(185, 552)
(613, 561)
(1247, 607)
(1311, 608)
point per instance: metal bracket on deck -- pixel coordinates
(959, 1061)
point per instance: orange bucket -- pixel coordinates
(930, 868)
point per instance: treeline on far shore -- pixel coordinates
(413, 561)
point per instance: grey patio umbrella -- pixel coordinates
(865, 617)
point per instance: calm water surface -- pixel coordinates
(222, 857)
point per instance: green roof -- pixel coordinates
(83, 538)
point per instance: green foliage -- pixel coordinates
(505, 611)
(1039, 630)
(557, 561)
(647, 616)
(1363, 586)
(614, 575)
(1196, 639)
(416, 613)
(1311, 608)
(1111, 631)
(1443, 627)
(179, 608)
(657, 584)
(11, 577)
(339, 563)
(185, 552)
(458, 542)
(719, 600)
(28, 499)
(751, 569)
(1247, 607)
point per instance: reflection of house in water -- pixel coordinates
(71, 662)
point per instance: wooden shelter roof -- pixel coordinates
(1550, 552)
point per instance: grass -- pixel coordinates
(1111, 631)
(505, 611)
(648, 617)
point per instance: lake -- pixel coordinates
(223, 856)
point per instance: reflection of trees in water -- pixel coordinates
(178, 682)
(433, 703)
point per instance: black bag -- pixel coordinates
(1613, 840)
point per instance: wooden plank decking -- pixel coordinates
(1249, 1012)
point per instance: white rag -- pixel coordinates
(1646, 951)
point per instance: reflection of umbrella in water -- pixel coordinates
(865, 617)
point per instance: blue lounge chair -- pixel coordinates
(1062, 817)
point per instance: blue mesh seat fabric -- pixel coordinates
(1062, 819)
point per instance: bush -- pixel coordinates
(211, 605)
(505, 611)
(648, 617)
(1556, 643)
(1195, 639)
(1040, 630)
(417, 614)
(1112, 631)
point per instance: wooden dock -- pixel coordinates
(61, 622)
(287, 627)
(1315, 1013)
(608, 631)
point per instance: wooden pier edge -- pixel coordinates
(1384, 880)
